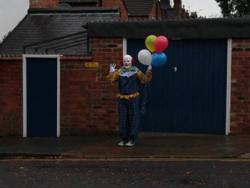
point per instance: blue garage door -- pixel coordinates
(188, 95)
(41, 97)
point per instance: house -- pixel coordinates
(53, 67)
(129, 9)
(64, 21)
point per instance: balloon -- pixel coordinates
(160, 44)
(145, 57)
(149, 42)
(158, 59)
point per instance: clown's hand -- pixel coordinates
(112, 68)
(149, 68)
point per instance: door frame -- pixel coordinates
(25, 56)
(228, 82)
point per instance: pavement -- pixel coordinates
(148, 147)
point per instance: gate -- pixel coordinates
(188, 94)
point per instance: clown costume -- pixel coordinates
(129, 79)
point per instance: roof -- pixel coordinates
(180, 29)
(139, 7)
(53, 31)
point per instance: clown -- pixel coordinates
(129, 79)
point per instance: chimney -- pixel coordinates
(178, 8)
(177, 4)
(44, 3)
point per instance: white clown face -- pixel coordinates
(127, 61)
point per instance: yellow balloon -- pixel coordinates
(149, 42)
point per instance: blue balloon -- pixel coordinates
(159, 59)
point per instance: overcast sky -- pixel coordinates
(12, 11)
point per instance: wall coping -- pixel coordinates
(212, 28)
(63, 58)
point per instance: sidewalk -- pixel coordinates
(149, 146)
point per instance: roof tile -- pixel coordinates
(55, 32)
(139, 7)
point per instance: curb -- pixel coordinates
(4, 156)
(61, 156)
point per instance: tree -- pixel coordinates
(235, 8)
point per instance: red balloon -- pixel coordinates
(160, 44)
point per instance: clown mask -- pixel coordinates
(127, 61)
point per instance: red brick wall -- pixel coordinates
(10, 97)
(88, 102)
(86, 98)
(75, 96)
(43, 3)
(104, 109)
(178, 8)
(155, 13)
(240, 89)
(117, 3)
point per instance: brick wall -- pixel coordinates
(104, 107)
(155, 13)
(178, 8)
(240, 89)
(74, 96)
(85, 98)
(117, 3)
(88, 103)
(43, 3)
(10, 97)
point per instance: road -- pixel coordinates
(94, 174)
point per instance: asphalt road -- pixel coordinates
(83, 174)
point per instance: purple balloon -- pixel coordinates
(159, 59)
